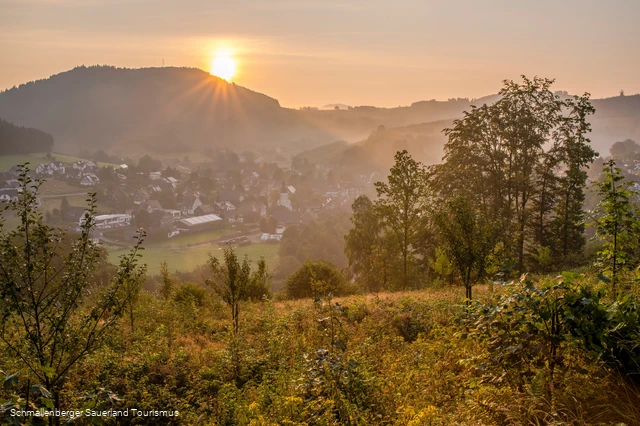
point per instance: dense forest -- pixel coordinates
(23, 140)
(467, 296)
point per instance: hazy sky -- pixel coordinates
(314, 52)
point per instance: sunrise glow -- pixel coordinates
(224, 65)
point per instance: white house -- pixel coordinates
(271, 237)
(190, 204)
(108, 221)
(89, 180)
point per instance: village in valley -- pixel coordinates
(231, 199)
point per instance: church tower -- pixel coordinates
(284, 197)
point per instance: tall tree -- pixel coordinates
(402, 206)
(576, 154)
(616, 222)
(512, 156)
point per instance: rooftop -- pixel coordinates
(201, 220)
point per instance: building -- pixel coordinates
(190, 204)
(140, 196)
(108, 221)
(197, 223)
(174, 213)
(284, 198)
(271, 237)
(89, 180)
(9, 195)
(205, 209)
(151, 205)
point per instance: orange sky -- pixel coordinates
(305, 52)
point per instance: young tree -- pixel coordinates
(52, 315)
(364, 245)
(131, 288)
(166, 282)
(468, 240)
(64, 206)
(616, 223)
(260, 282)
(230, 281)
(402, 205)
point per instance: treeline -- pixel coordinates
(23, 140)
(508, 197)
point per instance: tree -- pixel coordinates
(518, 158)
(364, 246)
(268, 225)
(230, 281)
(402, 206)
(260, 282)
(313, 279)
(442, 265)
(143, 219)
(576, 154)
(616, 223)
(64, 206)
(625, 150)
(468, 240)
(272, 224)
(166, 282)
(52, 314)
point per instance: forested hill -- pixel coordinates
(169, 110)
(23, 140)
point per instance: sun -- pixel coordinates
(223, 65)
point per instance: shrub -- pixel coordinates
(191, 293)
(315, 278)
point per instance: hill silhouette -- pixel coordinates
(169, 110)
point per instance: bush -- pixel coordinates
(191, 293)
(315, 278)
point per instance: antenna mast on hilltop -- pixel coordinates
(162, 62)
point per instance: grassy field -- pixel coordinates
(186, 259)
(48, 204)
(57, 187)
(191, 238)
(7, 161)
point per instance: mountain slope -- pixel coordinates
(23, 140)
(161, 109)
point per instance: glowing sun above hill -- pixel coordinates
(223, 64)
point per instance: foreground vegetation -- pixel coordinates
(402, 358)
(218, 347)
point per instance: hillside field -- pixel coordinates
(188, 258)
(7, 161)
